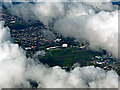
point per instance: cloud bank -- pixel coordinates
(100, 30)
(94, 22)
(16, 71)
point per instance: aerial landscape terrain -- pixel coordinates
(59, 44)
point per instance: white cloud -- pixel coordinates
(99, 29)
(83, 20)
(16, 70)
(5, 33)
(39, 53)
(47, 11)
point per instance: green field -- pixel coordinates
(68, 56)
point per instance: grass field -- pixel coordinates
(68, 56)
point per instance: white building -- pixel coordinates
(57, 40)
(53, 48)
(65, 45)
(82, 47)
(100, 62)
(27, 48)
(12, 22)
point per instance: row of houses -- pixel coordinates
(57, 47)
(64, 46)
(101, 60)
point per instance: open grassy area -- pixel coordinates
(68, 56)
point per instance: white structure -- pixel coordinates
(50, 48)
(53, 48)
(27, 48)
(100, 62)
(65, 45)
(47, 48)
(98, 57)
(57, 40)
(12, 22)
(82, 47)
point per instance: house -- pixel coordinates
(98, 57)
(64, 45)
(12, 22)
(53, 48)
(27, 48)
(57, 40)
(100, 62)
(82, 47)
